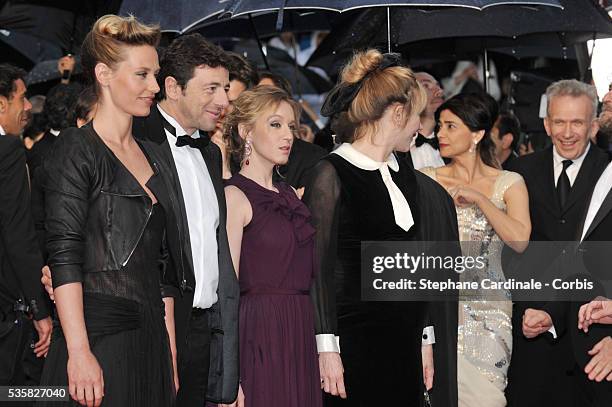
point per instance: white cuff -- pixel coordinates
(429, 336)
(553, 332)
(328, 343)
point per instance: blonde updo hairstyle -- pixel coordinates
(380, 89)
(247, 108)
(106, 43)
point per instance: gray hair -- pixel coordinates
(574, 88)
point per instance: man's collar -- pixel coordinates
(2, 132)
(179, 129)
(558, 159)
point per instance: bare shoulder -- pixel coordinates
(238, 205)
(234, 195)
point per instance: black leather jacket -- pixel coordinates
(96, 211)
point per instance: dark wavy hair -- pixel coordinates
(478, 111)
(59, 105)
(9, 74)
(509, 123)
(184, 55)
(242, 70)
(85, 104)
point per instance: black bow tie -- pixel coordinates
(199, 142)
(181, 141)
(433, 142)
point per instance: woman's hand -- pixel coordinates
(85, 379)
(332, 374)
(598, 311)
(239, 401)
(465, 196)
(428, 365)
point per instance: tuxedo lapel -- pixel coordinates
(151, 128)
(212, 158)
(547, 180)
(603, 211)
(580, 189)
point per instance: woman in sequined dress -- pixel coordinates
(492, 210)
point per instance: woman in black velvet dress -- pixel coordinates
(362, 192)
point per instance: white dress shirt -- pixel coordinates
(2, 132)
(602, 188)
(403, 218)
(202, 211)
(425, 155)
(572, 170)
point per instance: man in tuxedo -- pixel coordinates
(425, 151)
(559, 180)
(592, 350)
(194, 82)
(505, 135)
(21, 294)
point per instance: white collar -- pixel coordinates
(54, 132)
(179, 129)
(2, 132)
(360, 160)
(401, 208)
(558, 159)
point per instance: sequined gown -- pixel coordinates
(484, 337)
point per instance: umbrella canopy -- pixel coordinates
(579, 20)
(26, 50)
(46, 71)
(241, 7)
(264, 24)
(174, 15)
(302, 80)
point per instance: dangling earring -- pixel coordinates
(473, 147)
(247, 150)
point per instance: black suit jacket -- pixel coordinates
(223, 373)
(591, 263)
(302, 159)
(20, 258)
(541, 357)
(550, 222)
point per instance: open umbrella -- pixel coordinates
(46, 71)
(264, 24)
(579, 20)
(302, 80)
(174, 15)
(240, 7)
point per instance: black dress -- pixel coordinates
(105, 233)
(124, 316)
(380, 342)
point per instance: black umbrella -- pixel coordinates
(174, 15)
(264, 24)
(240, 7)
(46, 71)
(302, 80)
(26, 50)
(579, 20)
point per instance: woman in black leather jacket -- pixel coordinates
(106, 218)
